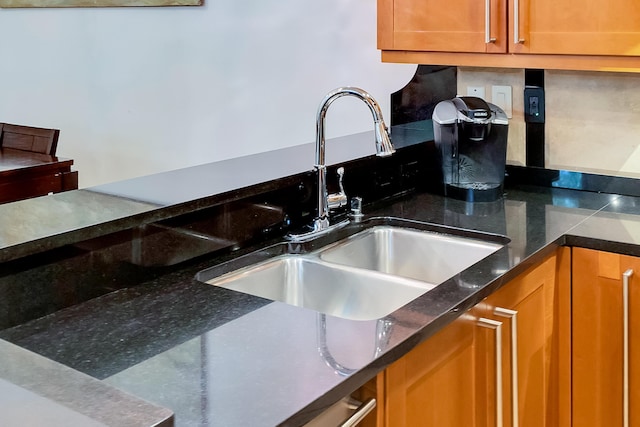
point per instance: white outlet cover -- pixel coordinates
(502, 97)
(477, 91)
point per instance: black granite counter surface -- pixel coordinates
(216, 357)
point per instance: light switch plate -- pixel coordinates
(502, 97)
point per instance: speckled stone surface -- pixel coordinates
(216, 357)
(220, 358)
(122, 333)
(43, 392)
(34, 225)
(615, 228)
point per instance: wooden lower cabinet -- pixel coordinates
(531, 310)
(601, 342)
(467, 374)
(438, 382)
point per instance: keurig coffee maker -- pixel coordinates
(471, 136)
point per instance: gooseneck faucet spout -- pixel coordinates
(384, 147)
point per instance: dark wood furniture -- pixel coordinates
(26, 174)
(27, 138)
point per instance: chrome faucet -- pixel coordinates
(383, 147)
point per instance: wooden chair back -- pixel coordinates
(27, 138)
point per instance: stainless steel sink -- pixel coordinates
(365, 276)
(330, 289)
(425, 256)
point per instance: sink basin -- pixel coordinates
(364, 276)
(331, 289)
(425, 256)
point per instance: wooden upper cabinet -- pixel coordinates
(593, 27)
(430, 25)
(549, 34)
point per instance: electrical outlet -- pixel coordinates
(501, 96)
(477, 91)
(533, 104)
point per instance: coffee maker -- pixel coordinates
(471, 136)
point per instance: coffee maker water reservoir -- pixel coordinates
(471, 136)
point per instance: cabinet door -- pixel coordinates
(590, 27)
(436, 384)
(599, 336)
(466, 374)
(528, 309)
(433, 25)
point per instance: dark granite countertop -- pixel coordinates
(37, 391)
(33, 225)
(218, 357)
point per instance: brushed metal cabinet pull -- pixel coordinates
(625, 352)
(362, 411)
(516, 22)
(497, 327)
(513, 316)
(487, 23)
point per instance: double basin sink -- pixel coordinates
(362, 272)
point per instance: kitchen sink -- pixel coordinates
(364, 275)
(331, 289)
(425, 256)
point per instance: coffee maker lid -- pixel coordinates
(473, 108)
(445, 113)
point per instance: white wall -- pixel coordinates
(143, 90)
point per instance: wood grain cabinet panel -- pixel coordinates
(598, 318)
(427, 25)
(553, 34)
(465, 376)
(528, 310)
(440, 382)
(594, 27)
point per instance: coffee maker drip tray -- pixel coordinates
(474, 191)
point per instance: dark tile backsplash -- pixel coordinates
(416, 101)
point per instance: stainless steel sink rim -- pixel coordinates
(306, 281)
(327, 280)
(395, 252)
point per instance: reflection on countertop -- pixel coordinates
(210, 354)
(37, 391)
(106, 286)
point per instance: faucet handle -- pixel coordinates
(340, 173)
(338, 200)
(356, 208)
